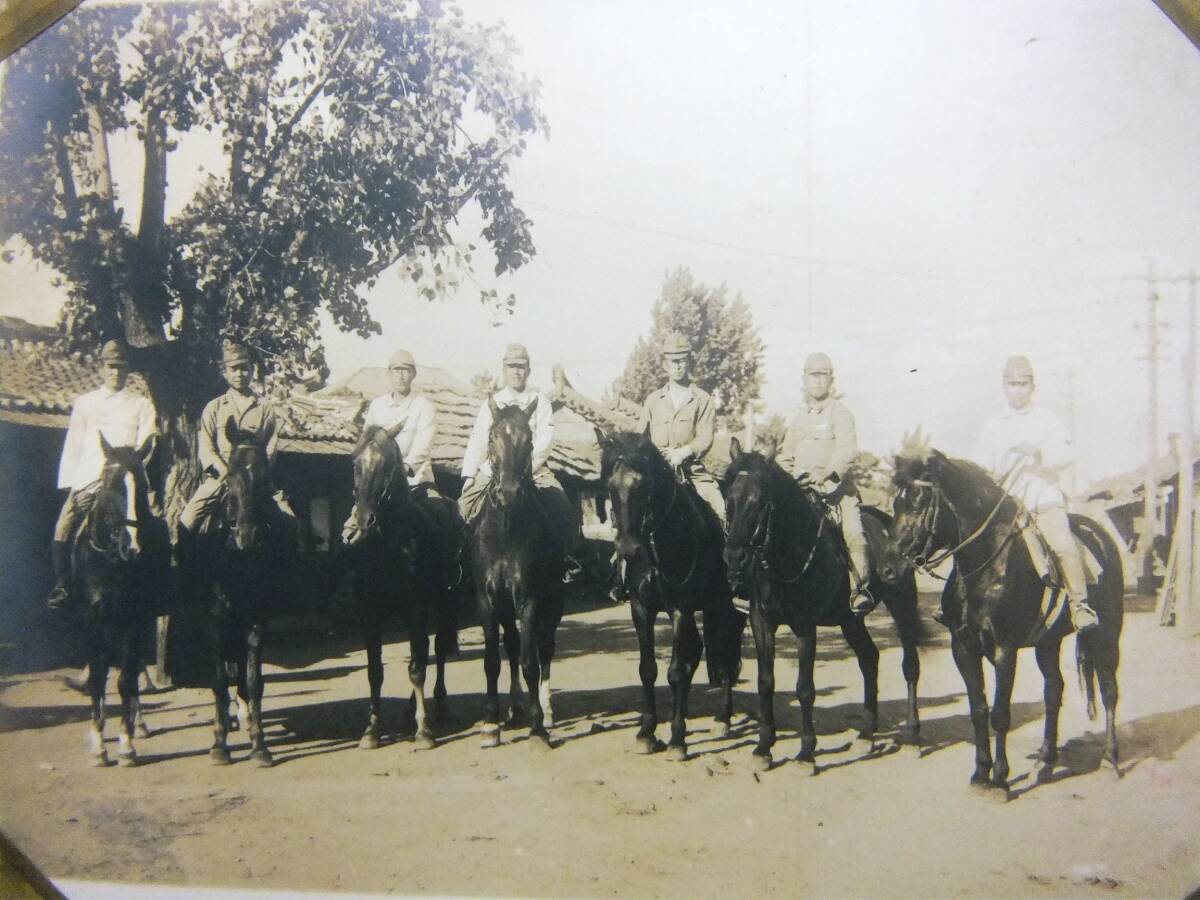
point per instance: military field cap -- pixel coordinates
(1018, 367)
(114, 353)
(817, 363)
(675, 344)
(233, 353)
(402, 358)
(516, 353)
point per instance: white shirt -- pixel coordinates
(415, 437)
(680, 394)
(124, 418)
(1031, 425)
(475, 459)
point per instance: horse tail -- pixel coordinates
(723, 627)
(1099, 648)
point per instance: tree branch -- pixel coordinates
(154, 185)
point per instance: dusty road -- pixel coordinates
(590, 818)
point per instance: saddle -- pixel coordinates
(1044, 560)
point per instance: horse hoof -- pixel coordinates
(997, 794)
(144, 732)
(760, 762)
(1113, 770)
(100, 760)
(540, 741)
(1045, 773)
(807, 766)
(676, 753)
(865, 746)
(424, 741)
(721, 730)
(489, 736)
(912, 748)
(368, 742)
(648, 745)
(219, 756)
(262, 758)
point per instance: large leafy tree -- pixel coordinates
(726, 349)
(353, 133)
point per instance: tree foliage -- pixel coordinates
(353, 133)
(726, 349)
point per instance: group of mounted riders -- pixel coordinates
(1024, 448)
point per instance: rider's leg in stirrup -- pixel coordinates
(861, 601)
(1056, 528)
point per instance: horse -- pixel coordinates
(993, 603)
(239, 569)
(669, 546)
(406, 553)
(518, 552)
(784, 553)
(120, 558)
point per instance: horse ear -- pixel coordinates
(395, 430)
(735, 449)
(602, 436)
(768, 447)
(532, 407)
(105, 447)
(493, 407)
(231, 432)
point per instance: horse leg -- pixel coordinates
(904, 612)
(859, 639)
(969, 660)
(490, 730)
(418, 660)
(643, 624)
(443, 644)
(373, 639)
(685, 658)
(764, 650)
(1047, 654)
(1107, 676)
(545, 656)
(531, 666)
(806, 693)
(516, 697)
(1005, 664)
(97, 679)
(254, 687)
(219, 752)
(127, 684)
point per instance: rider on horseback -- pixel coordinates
(819, 447)
(1031, 445)
(679, 419)
(477, 472)
(252, 415)
(124, 419)
(417, 417)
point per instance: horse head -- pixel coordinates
(121, 505)
(747, 490)
(248, 485)
(510, 449)
(923, 521)
(380, 478)
(636, 477)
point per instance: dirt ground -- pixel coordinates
(591, 818)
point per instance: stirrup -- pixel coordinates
(861, 601)
(741, 604)
(59, 598)
(1084, 618)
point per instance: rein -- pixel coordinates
(648, 529)
(761, 551)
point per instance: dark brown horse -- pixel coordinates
(120, 560)
(239, 571)
(993, 604)
(785, 556)
(669, 544)
(407, 555)
(518, 549)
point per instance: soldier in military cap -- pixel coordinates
(819, 447)
(1030, 446)
(679, 419)
(417, 417)
(252, 414)
(476, 471)
(125, 419)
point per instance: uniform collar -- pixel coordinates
(392, 401)
(1010, 413)
(816, 406)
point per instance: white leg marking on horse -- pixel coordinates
(243, 713)
(544, 699)
(419, 696)
(96, 738)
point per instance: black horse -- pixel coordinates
(239, 571)
(669, 544)
(120, 559)
(993, 604)
(785, 555)
(407, 555)
(519, 553)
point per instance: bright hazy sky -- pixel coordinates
(919, 189)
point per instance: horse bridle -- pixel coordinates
(929, 517)
(759, 551)
(646, 531)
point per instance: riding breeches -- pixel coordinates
(1055, 527)
(470, 502)
(350, 529)
(198, 515)
(856, 540)
(709, 491)
(76, 504)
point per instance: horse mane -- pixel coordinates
(972, 481)
(635, 448)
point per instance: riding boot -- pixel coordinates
(60, 558)
(861, 601)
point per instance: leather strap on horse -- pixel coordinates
(930, 563)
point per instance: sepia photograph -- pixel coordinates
(516, 448)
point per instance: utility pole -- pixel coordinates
(1187, 536)
(1073, 479)
(1150, 484)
